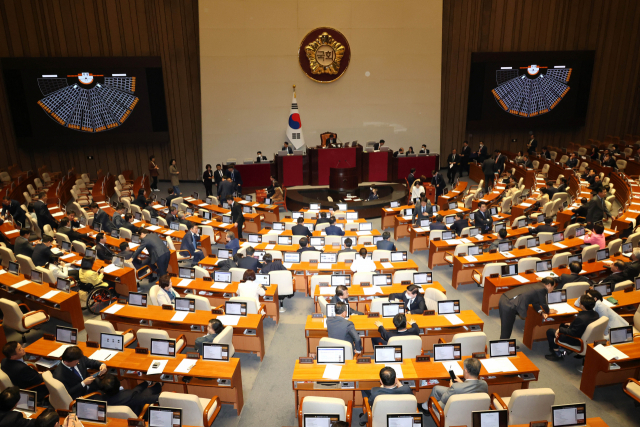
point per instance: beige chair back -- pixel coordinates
(589, 252)
(237, 274)
(26, 264)
(59, 398)
(332, 342)
(284, 280)
(252, 304)
(392, 404)
(376, 305)
(120, 412)
(7, 256)
(472, 342)
(12, 315)
(202, 303)
(153, 294)
(5, 381)
(432, 296)
(226, 337)
(192, 406)
(96, 327)
(403, 275)
(379, 254)
(324, 405)
(528, 405)
(459, 407)
(322, 302)
(411, 345)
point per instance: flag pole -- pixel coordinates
(294, 91)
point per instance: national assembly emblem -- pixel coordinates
(324, 55)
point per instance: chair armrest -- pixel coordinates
(182, 337)
(569, 336)
(145, 408)
(184, 250)
(441, 341)
(149, 272)
(262, 309)
(209, 421)
(497, 397)
(31, 313)
(33, 387)
(25, 306)
(367, 409)
(473, 273)
(366, 309)
(130, 331)
(349, 411)
(434, 406)
(628, 317)
(300, 411)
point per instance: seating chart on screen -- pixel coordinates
(532, 90)
(88, 102)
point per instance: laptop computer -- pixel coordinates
(449, 307)
(509, 270)
(621, 335)
(382, 279)
(112, 341)
(556, 297)
(93, 411)
(63, 285)
(602, 254)
(186, 304)
(330, 355)
(215, 352)
(292, 257)
(387, 353)
(137, 299)
(422, 278)
(67, 335)
(398, 256)
(186, 273)
(498, 418)
(222, 276)
(263, 279)
(28, 401)
(404, 420)
(392, 308)
(569, 415)
(320, 420)
(235, 308)
(340, 280)
(162, 416)
(503, 348)
(163, 347)
(445, 352)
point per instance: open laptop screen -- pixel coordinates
(112, 341)
(444, 352)
(320, 420)
(67, 335)
(330, 354)
(163, 347)
(387, 354)
(94, 411)
(164, 417)
(449, 307)
(500, 348)
(138, 299)
(621, 335)
(499, 418)
(217, 352)
(422, 278)
(569, 415)
(27, 402)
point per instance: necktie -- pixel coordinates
(409, 304)
(75, 371)
(194, 241)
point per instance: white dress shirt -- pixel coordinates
(251, 289)
(363, 265)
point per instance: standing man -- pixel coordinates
(500, 159)
(234, 174)
(207, 180)
(237, 218)
(454, 164)
(225, 188)
(438, 182)
(43, 214)
(489, 170)
(218, 176)
(159, 254)
(532, 145)
(483, 219)
(411, 177)
(13, 208)
(517, 301)
(423, 211)
(596, 209)
(101, 217)
(466, 157)
(153, 173)
(482, 152)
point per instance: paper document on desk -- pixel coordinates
(332, 372)
(372, 290)
(111, 268)
(453, 366)
(419, 229)
(184, 283)
(560, 245)
(525, 205)
(470, 258)
(229, 320)
(157, 206)
(185, 366)
(58, 352)
(157, 367)
(68, 256)
(538, 250)
(363, 233)
(389, 209)
(21, 283)
(179, 316)
(327, 290)
(269, 247)
(453, 242)
(218, 285)
(56, 215)
(520, 279)
(168, 232)
(454, 319)
(463, 240)
(610, 352)
(114, 309)
(50, 294)
(498, 364)
(153, 227)
(324, 266)
(562, 308)
(10, 232)
(103, 355)
(396, 367)
(56, 251)
(3, 272)
(507, 254)
(287, 265)
(544, 274)
(386, 265)
(132, 246)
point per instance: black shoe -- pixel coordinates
(553, 357)
(424, 411)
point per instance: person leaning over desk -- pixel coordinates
(516, 301)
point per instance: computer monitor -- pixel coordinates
(309, 226)
(448, 220)
(174, 226)
(422, 278)
(246, 209)
(296, 215)
(493, 211)
(543, 266)
(340, 280)
(215, 352)
(36, 276)
(558, 237)
(522, 222)
(352, 216)
(404, 420)
(392, 308)
(498, 226)
(254, 238)
(235, 308)
(248, 198)
(540, 218)
(637, 280)
(224, 253)
(28, 401)
(448, 235)
(63, 285)
(473, 232)
(434, 209)
(331, 310)
(382, 279)
(509, 270)
(503, 348)
(137, 299)
(135, 238)
(285, 240)
(342, 206)
(267, 201)
(83, 221)
(208, 200)
(329, 257)
(532, 242)
(576, 258)
(93, 411)
(206, 215)
(395, 204)
(314, 206)
(377, 239)
(497, 418)
(444, 352)
(263, 279)
(97, 227)
(226, 219)
(627, 247)
(398, 256)
(293, 257)
(320, 420)
(161, 416)
(330, 355)
(449, 307)
(316, 241)
(66, 246)
(580, 231)
(387, 353)
(91, 253)
(118, 261)
(621, 335)
(366, 226)
(163, 347)
(474, 250)
(278, 226)
(186, 273)
(425, 223)
(504, 246)
(602, 254)
(115, 233)
(186, 304)
(556, 297)
(453, 205)
(112, 341)
(67, 335)
(569, 415)
(408, 211)
(222, 276)
(604, 289)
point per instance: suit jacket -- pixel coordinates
(202, 340)
(14, 419)
(289, 149)
(469, 386)
(615, 278)
(455, 160)
(500, 162)
(544, 228)
(225, 188)
(234, 245)
(596, 209)
(484, 221)
(334, 230)
(342, 329)
(418, 305)
(154, 245)
(533, 144)
(633, 269)
(72, 382)
(336, 300)
(103, 253)
(301, 230)
(16, 211)
(235, 177)
(458, 225)
(170, 218)
(250, 263)
(152, 169)
(187, 242)
(410, 178)
(44, 216)
(20, 374)
(438, 181)
(306, 248)
(41, 255)
(237, 216)
(118, 220)
(261, 159)
(582, 210)
(71, 234)
(580, 323)
(385, 335)
(437, 226)
(611, 163)
(496, 243)
(102, 218)
(217, 176)
(547, 154)
(561, 189)
(572, 163)
(386, 245)
(489, 167)
(22, 247)
(534, 294)
(134, 398)
(483, 153)
(571, 278)
(272, 266)
(382, 391)
(466, 154)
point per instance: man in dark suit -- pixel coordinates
(546, 227)
(214, 327)
(532, 145)
(581, 211)
(347, 247)
(460, 223)
(22, 246)
(385, 244)
(342, 297)
(134, 398)
(234, 174)
(270, 189)
(489, 170)
(128, 224)
(609, 161)
(249, 262)
(483, 219)
(562, 188)
(572, 162)
(159, 254)
(13, 208)
(299, 229)
(572, 331)
(172, 216)
(411, 177)
(323, 218)
(101, 217)
(9, 417)
(596, 185)
(218, 174)
(412, 298)
(517, 300)
(527, 162)
(438, 223)
(304, 245)
(333, 229)
(231, 242)
(632, 268)
(66, 229)
(545, 153)
(502, 234)
(225, 188)
(72, 372)
(575, 268)
(482, 153)
(237, 218)
(423, 211)
(399, 152)
(597, 210)
(21, 374)
(438, 181)
(42, 253)
(190, 243)
(118, 216)
(378, 145)
(390, 384)
(454, 164)
(465, 154)
(270, 265)
(260, 157)
(618, 273)
(102, 251)
(287, 148)
(43, 214)
(500, 160)
(423, 150)
(339, 328)
(127, 253)
(171, 194)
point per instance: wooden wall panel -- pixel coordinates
(610, 27)
(98, 28)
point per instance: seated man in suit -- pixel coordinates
(546, 227)
(66, 229)
(260, 157)
(389, 384)
(502, 234)
(101, 217)
(118, 216)
(232, 242)
(618, 273)
(333, 229)
(483, 219)
(339, 328)
(347, 246)
(287, 147)
(385, 244)
(562, 188)
(42, 253)
(72, 372)
(400, 322)
(377, 146)
(171, 195)
(609, 161)
(182, 219)
(22, 246)
(21, 374)
(460, 223)
(249, 262)
(575, 268)
(172, 216)
(134, 398)
(596, 185)
(412, 298)
(572, 331)
(582, 210)
(423, 211)
(304, 242)
(400, 152)
(300, 230)
(342, 297)
(102, 251)
(423, 150)
(573, 161)
(270, 265)
(190, 243)
(214, 327)
(471, 384)
(437, 224)
(632, 268)
(128, 224)
(323, 218)
(9, 416)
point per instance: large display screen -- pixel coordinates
(529, 89)
(86, 100)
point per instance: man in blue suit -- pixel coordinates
(190, 243)
(438, 224)
(249, 262)
(333, 229)
(234, 174)
(232, 242)
(385, 244)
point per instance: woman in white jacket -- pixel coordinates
(166, 294)
(249, 288)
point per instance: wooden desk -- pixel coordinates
(402, 224)
(432, 328)
(63, 306)
(130, 364)
(193, 326)
(124, 278)
(591, 422)
(455, 195)
(252, 220)
(598, 372)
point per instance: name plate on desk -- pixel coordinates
(373, 314)
(539, 423)
(207, 279)
(193, 355)
(305, 360)
(313, 261)
(479, 355)
(134, 422)
(384, 259)
(216, 311)
(93, 344)
(348, 261)
(317, 315)
(603, 342)
(167, 307)
(406, 282)
(324, 284)
(429, 313)
(142, 350)
(365, 284)
(423, 359)
(628, 289)
(360, 360)
(49, 337)
(528, 377)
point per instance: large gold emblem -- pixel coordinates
(324, 54)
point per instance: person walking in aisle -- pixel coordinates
(175, 181)
(153, 173)
(207, 179)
